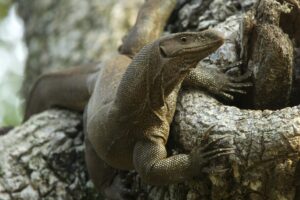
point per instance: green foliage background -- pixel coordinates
(10, 102)
(4, 7)
(11, 105)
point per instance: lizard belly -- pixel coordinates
(112, 141)
(120, 151)
(108, 138)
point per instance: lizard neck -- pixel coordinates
(142, 88)
(163, 77)
(154, 81)
(133, 89)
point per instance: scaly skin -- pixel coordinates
(129, 128)
(131, 103)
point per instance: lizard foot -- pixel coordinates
(233, 66)
(118, 189)
(226, 85)
(202, 154)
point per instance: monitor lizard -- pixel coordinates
(131, 103)
(131, 106)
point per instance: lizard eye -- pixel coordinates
(183, 39)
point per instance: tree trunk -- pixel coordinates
(43, 159)
(62, 34)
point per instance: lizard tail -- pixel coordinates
(70, 88)
(149, 25)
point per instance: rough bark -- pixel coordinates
(43, 158)
(266, 143)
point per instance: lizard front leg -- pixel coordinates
(155, 168)
(217, 82)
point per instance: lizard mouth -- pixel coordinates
(205, 49)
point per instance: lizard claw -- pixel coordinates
(215, 170)
(215, 142)
(226, 96)
(241, 85)
(235, 90)
(206, 134)
(241, 78)
(201, 156)
(227, 85)
(224, 85)
(226, 68)
(210, 155)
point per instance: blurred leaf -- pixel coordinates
(12, 115)
(11, 107)
(4, 7)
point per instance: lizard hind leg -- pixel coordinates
(104, 177)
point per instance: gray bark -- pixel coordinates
(266, 143)
(43, 159)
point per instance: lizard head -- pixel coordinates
(180, 52)
(171, 58)
(190, 46)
